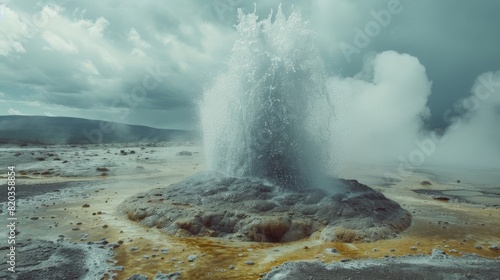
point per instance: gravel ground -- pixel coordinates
(436, 266)
(24, 191)
(38, 259)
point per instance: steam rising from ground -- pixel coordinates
(473, 139)
(381, 112)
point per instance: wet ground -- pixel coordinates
(78, 199)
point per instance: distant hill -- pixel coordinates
(64, 130)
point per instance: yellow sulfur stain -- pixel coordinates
(215, 256)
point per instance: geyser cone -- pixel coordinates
(263, 117)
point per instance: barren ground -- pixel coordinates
(51, 195)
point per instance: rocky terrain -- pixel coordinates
(436, 266)
(71, 223)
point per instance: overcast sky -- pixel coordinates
(148, 62)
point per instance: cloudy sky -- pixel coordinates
(149, 62)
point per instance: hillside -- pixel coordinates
(64, 130)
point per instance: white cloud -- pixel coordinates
(89, 68)
(19, 28)
(49, 114)
(110, 60)
(12, 111)
(101, 44)
(134, 37)
(95, 28)
(138, 52)
(165, 39)
(59, 44)
(51, 10)
(185, 55)
(14, 31)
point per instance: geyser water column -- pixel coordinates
(267, 115)
(265, 122)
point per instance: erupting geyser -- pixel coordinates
(265, 117)
(265, 123)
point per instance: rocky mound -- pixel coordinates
(212, 204)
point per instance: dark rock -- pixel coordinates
(192, 258)
(252, 210)
(331, 251)
(439, 197)
(170, 276)
(138, 277)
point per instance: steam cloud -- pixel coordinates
(380, 114)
